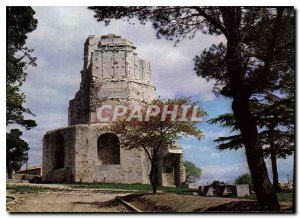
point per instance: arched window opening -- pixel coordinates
(59, 152)
(108, 146)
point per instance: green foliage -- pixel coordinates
(152, 134)
(20, 22)
(192, 171)
(16, 150)
(275, 117)
(244, 179)
(225, 120)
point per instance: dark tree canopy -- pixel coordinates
(16, 151)
(20, 22)
(264, 63)
(173, 23)
(276, 116)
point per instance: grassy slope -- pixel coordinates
(284, 196)
(109, 186)
(135, 186)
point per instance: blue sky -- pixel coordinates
(58, 43)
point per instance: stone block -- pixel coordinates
(193, 185)
(242, 190)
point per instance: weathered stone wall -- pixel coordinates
(90, 169)
(82, 163)
(78, 111)
(49, 145)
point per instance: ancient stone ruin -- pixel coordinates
(81, 152)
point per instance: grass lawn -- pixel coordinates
(135, 186)
(284, 196)
(28, 189)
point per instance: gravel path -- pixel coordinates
(60, 201)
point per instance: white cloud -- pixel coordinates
(213, 134)
(214, 155)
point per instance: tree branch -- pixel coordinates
(212, 20)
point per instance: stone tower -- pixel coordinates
(112, 74)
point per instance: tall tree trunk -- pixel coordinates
(273, 156)
(274, 169)
(153, 177)
(8, 168)
(264, 190)
(241, 93)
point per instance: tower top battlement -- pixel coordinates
(104, 42)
